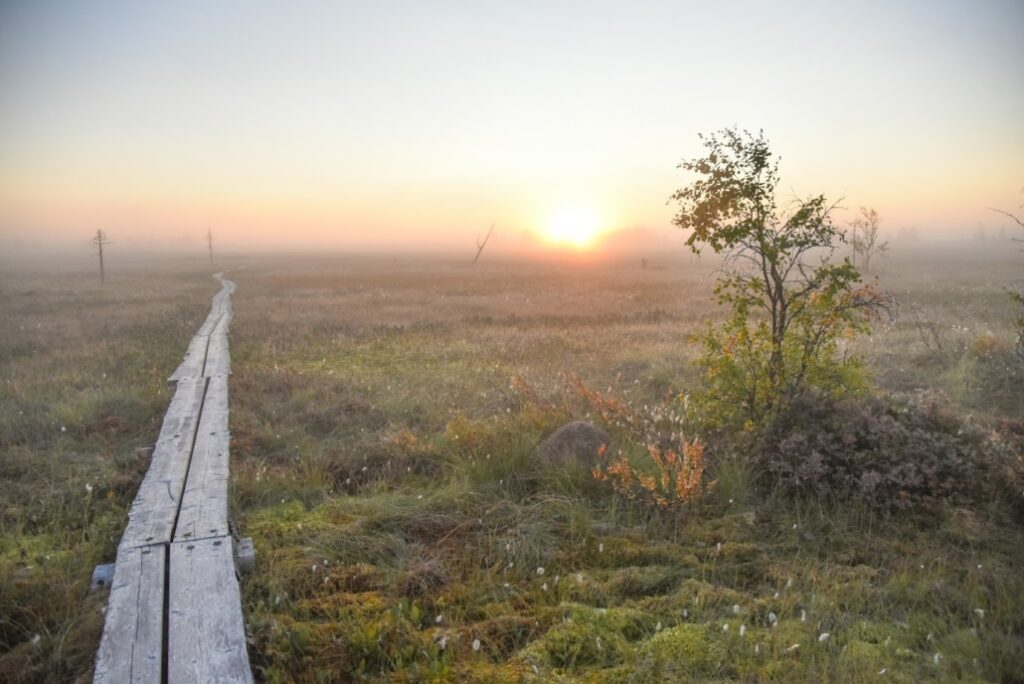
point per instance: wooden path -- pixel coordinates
(174, 612)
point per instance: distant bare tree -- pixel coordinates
(865, 240)
(99, 241)
(1016, 219)
(480, 245)
(209, 242)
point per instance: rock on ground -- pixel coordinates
(574, 443)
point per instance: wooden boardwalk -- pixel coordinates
(174, 612)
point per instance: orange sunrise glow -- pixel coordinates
(574, 226)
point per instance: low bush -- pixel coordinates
(892, 454)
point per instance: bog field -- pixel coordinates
(385, 418)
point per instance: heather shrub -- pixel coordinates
(892, 454)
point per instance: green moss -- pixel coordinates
(627, 622)
(589, 637)
(677, 654)
(573, 644)
(962, 651)
(739, 552)
(632, 582)
(861, 659)
(629, 551)
(707, 597)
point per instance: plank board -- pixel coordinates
(204, 504)
(195, 359)
(132, 646)
(206, 632)
(210, 323)
(151, 518)
(218, 358)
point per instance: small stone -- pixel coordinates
(577, 442)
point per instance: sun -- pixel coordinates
(572, 226)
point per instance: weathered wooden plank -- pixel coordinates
(195, 359)
(211, 322)
(151, 518)
(131, 649)
(224, 322)
(206, 638)
(204, 504)
(218, 358)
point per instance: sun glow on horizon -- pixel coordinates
(574, 226)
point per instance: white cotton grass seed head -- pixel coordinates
(823, 637)
(540, 572)
(743, 629)
(736, 609)
(476, 644)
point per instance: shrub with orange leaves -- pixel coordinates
(677, 477)
(671, 470)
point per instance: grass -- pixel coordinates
(405, 528)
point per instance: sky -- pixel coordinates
(342, 125)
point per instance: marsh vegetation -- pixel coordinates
(385, 418)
